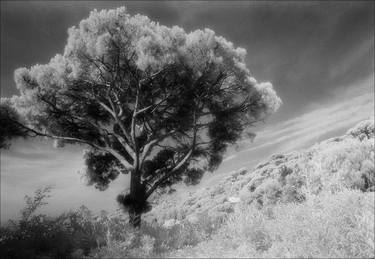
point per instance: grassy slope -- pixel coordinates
(341, 162)
(339, 225)
(318, 202)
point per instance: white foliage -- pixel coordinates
(269, 97)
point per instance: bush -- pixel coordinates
(37, 235)
(364, 129)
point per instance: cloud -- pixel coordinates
(229, 158)
(353, 105)
(365, 49)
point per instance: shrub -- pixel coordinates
(364, 129)
(37, 235)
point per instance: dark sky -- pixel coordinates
(305, 49)
(318, 55)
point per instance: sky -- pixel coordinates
(319, 56)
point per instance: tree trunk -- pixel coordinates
(135, 218)
(138, 204)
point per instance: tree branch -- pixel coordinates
(170, 173)
(148, 147)
(180, 163)
(119, 157)
(107, 149)
(132, 129)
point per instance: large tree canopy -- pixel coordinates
(149, 100)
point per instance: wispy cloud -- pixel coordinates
(229, 158)
(349, 107)
(366, 48)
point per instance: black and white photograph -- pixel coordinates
(187, 129)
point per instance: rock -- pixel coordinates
(234, 199)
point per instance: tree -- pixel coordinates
(147, 100)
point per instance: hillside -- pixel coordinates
(341, 162)
(315, 203)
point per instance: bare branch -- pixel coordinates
(119, 157)
(107, 108)
(153, 106)
(154, 75)
(119, 122)
(148, 147)
(124, 144)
